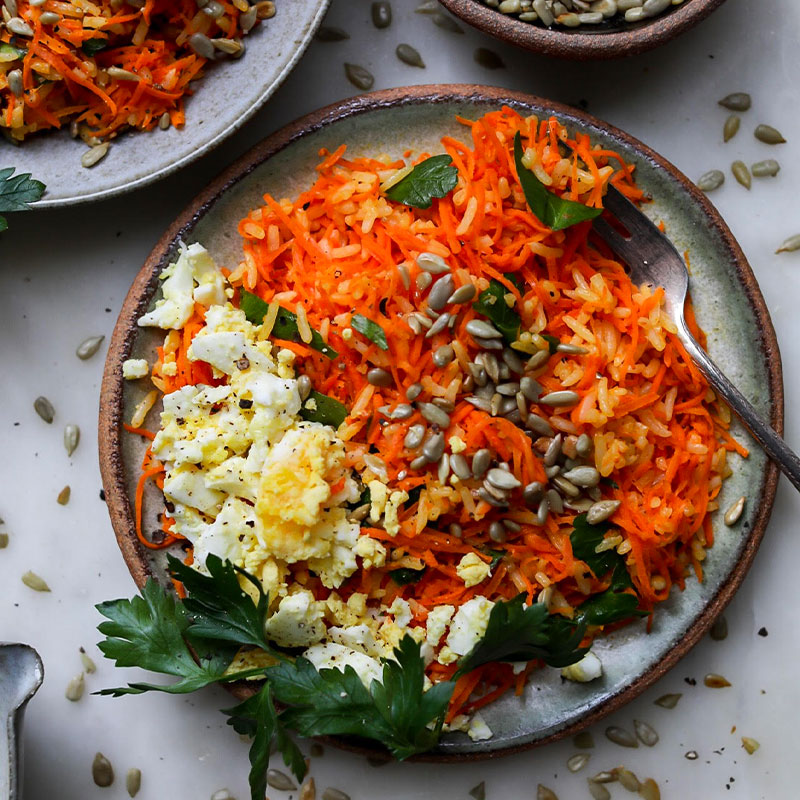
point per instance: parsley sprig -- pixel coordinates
(17, 192)
(433, 177)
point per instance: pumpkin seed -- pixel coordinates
(329, 33)
(95, 155)
(741, 173)
(336, 794)
(620, 736)
(790, 245)
(627, 779)
(133, 781)
(63, 496)
(668, 700)
(280, 781)
(446, 23)
(88, 664)
(561, 398)
(3, 541)
(750, 745)
(33, 581)
(768, 135)
(88, 347)
(379, 377)
(409, 55)
(44, 408)
(577, 762)
(72, 435)
(646, 733)
(738, 101)
(488, 58)
(381, 15)
(359, 76)
(650, 790)
(719, 630)
(75, 687)
(543, 793)
(765, 169)
(731, 127)
(714, 681)
(597, 790)
(102, 771)
(711, 180)
(479, 791)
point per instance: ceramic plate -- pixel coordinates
(229, 93)
(728, 304)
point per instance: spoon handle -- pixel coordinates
(773, 445)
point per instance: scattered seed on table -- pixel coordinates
(768, 135)
(714, 681)
(308, 791)
(446, 23)
(409, 55)
(668, 700)
(719, 630)
(427, 7)
(604, 777)
(645, 733)
(75, 687)
(711, 180)
(360, 77)
(44, 408)
(790, 245)
(3, 541)
(691, 755)
(750, 745)
(336, 794)
(543, 793)
(35, 582)
(620, 736)
(741, 173)
(765, 169)
(88, 347)
(102, 771)
(280, 781)
(72, 435)
(738, 101)
(479, 791)
(734, 512)
(627, 779)
(577, 762)
(94, 155)
(328, 33)
(223, 794)
(650, 790)
(731, 127)
(63, 496)
(381, 15)
(488, 58)
(133, 781)
(88, 664)
(597, 790)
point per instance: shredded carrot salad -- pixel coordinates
(109, 65)
(657, 435)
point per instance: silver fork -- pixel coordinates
(652, 259)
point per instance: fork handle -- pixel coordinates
(773, 445)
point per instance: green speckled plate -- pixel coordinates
(727, 301)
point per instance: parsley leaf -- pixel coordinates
(517, 633)
(324, 409)
(370, 329)
(433, 177)
(285, 327)
(552, 342)
(256, 717)
(406, 575)
(93, 46)
(17, 192)
(554, 211)
(491, 303)
(395, 712)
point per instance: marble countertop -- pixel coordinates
(65, 273)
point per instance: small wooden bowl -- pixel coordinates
(608, 40)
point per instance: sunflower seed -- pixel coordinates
(598, 791)
(765, 169)
(538, 425)
(3, 541)
(304, 387)
(463, 294)
(714, 681)
(690, 755)
(543, 793)
(790, 245)
(414, 437)
(731, 127)
(413, 392)
(555, 501)
(359, 513)
(88, 347)
(604, 777)
(75, 688)
(734, 512)
(668, 700)
(553, 451)
(359, 76)
(381, 15)
(434, 447)
(18, 26)
(583, 446)
(409, 55)
(420, 462)
(585, 477)
(44, 408)
(768, 135)
(443, 355)
(440, 292)
(492, 500)
(427, 7)
(577, 762)
(750, 745)
(329, 33)
(119, 74)
(11, 6)
(483, 330)
(460, 466)
(501, 479)
(538, 359)
(491, 365)
(223, 794)
(571, 349)
(133, 781)
(455, 529)
(63, 496)
(15, 82)
(620, 736)
(627, 779)
(280, 781)
(432, 264)
(650, 790)
(741, 173)
(102, 771)
(480, 403)
(88, 664)
(379, 377)
(446, 23)
(434, 414)
(335, 794)
(738, 101)
(711, 180)
(508, 390)
(401, 411)
(645, 733)
(248, 20)
(438, 326)
(561, 398)
(480, 462)
(94, 155)
(488, 58)
(497, 532)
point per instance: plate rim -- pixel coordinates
(138, 298)
(198, 152)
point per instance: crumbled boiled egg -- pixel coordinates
(472, 569)
(134, 368)
(467, 628)
(589, 668)
(332, 655)
(436, 624)
(371, 551)
(298, 621)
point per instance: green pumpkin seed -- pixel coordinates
(360, 77)
(738, 101)
(479, 791)
(72, 436)
(381, 15)
(133, 781)
(75, 688)
(102, 771)
(765, 169)
(446, 23)
(44, 408)
(63, 496)
(711, 180)
(668, 700)
(3, 541)
(790, 245)
(327, 33)
(741, 173)
(731, 127)
(409, 55)
(488, 58)
(768, 135)
(543, 793)
(88, 664)
(88, 347)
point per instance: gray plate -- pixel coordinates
(228, 94)
(727, 301)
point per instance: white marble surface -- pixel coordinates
(64, 275)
